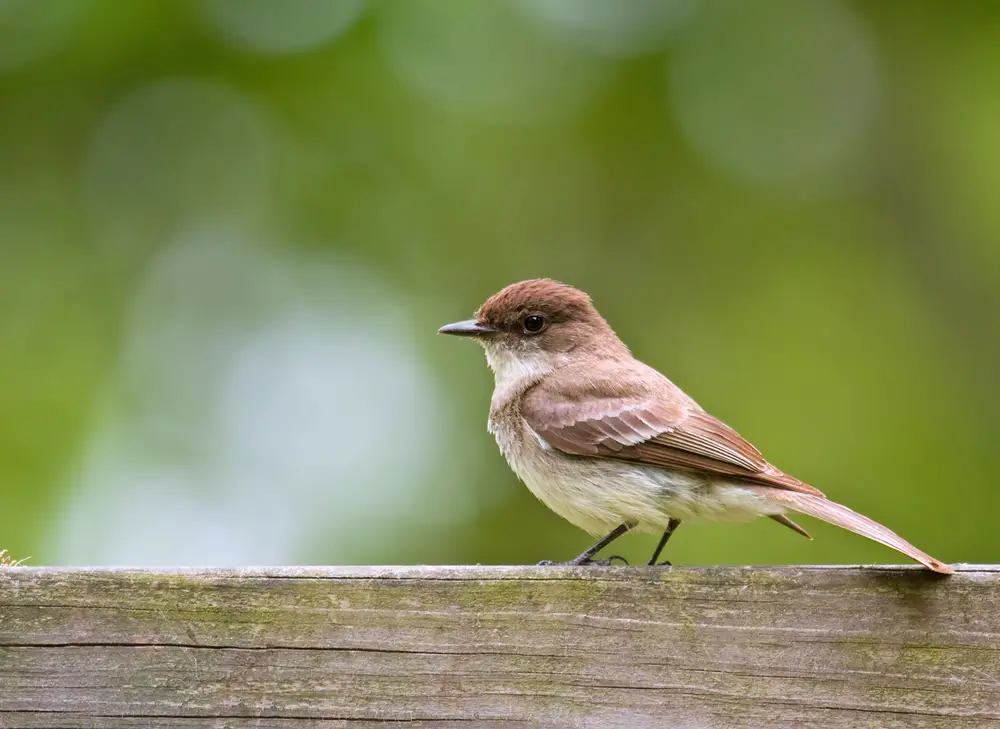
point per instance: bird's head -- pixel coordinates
(536, 326)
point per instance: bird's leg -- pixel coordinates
(671, 525)
(588, 556)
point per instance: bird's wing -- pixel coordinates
(631, 412)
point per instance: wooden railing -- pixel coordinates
(819, 647)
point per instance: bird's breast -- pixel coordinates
(507, 426)
(589, 493)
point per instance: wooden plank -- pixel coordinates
(493, 646)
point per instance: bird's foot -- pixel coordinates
(664, 563)
(579, 562)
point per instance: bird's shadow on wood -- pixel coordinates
(912, 587)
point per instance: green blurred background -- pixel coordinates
(230, 228)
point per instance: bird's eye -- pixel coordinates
(534, 323)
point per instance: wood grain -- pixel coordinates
(293, 648)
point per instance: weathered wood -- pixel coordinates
(545, 647)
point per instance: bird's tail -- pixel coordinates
(839, 515)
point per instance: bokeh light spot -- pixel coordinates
(622, 28)
(486, 60)
(289, 26)
(174, 151)
(265, 403)
(776, 93)
(30, 29)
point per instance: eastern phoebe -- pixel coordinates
(610, 444)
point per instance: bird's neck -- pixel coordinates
(514, 374)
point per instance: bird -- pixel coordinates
(613, 446)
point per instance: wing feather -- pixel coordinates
(632, 412)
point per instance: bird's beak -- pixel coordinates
(469, 328)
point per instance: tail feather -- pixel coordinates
(784, 520)
(839, 515)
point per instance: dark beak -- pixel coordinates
(470, 328)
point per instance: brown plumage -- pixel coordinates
(634, 413)
(571, 397)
